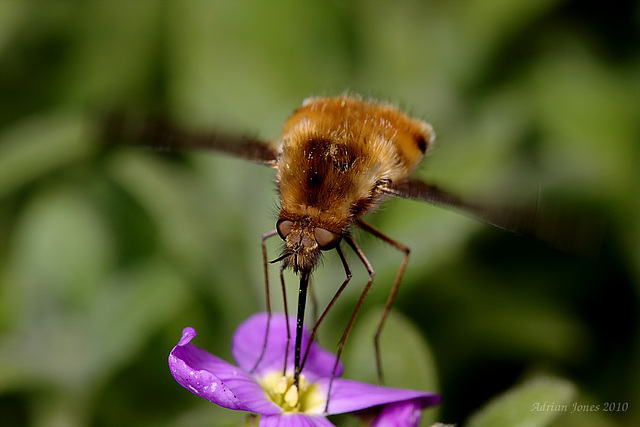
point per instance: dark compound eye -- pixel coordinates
(326, 239)
(283, 227)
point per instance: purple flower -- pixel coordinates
(265, 391)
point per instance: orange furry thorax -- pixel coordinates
(336, 151)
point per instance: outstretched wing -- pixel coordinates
(574, 234)
(159, 133)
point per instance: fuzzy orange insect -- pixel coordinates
(337, 159)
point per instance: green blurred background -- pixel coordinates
(106, 254)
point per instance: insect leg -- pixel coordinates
(394, 289)
(347, 330)
(265, 266)
(348, 274)
(286, 317)
(313, 299)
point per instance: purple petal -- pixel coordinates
(248, 342)
(403, 414)
(215, 379)
(294, 420)
(350, 396)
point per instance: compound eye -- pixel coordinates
(326, 239)
(283, 227)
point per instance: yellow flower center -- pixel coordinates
(305, 398)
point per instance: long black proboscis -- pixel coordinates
(302, 300)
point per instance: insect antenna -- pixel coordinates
(280, 258)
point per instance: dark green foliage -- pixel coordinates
(106, 254)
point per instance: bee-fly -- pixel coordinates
(337, 159)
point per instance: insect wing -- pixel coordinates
(159, 133)
(570, 233)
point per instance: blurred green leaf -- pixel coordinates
(531, 329)
(114, 62)
(101, 249)
(44, 349)
(39, 145)
(533, 404)
(62, 250)
(407, 360)
(166, 194)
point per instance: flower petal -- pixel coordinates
(402, 414)
(294, 420)
(215, 379)
(248, 342)
(349, 396)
